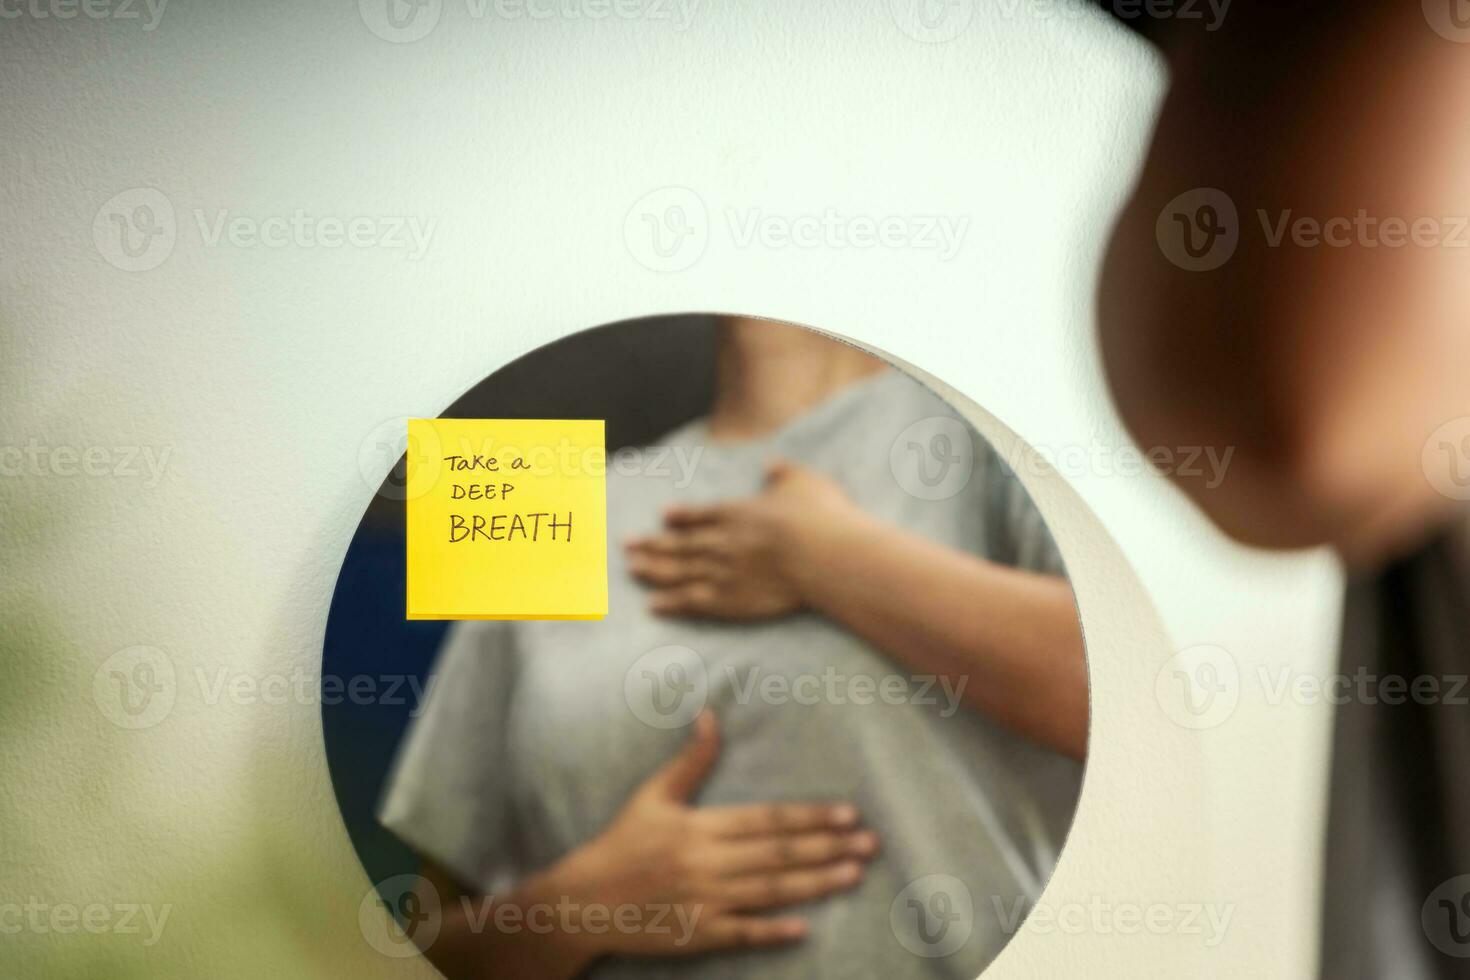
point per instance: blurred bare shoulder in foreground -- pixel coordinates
(1289, 278)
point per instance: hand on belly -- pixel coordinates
(704, 873)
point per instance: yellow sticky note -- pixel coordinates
(507, 519)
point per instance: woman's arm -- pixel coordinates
(665, 879)
(1011, 637)
(1008, 639)
(468, 944)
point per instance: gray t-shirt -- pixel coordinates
(1398, 843)
(536, 733)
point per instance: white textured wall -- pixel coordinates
(261, 371)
